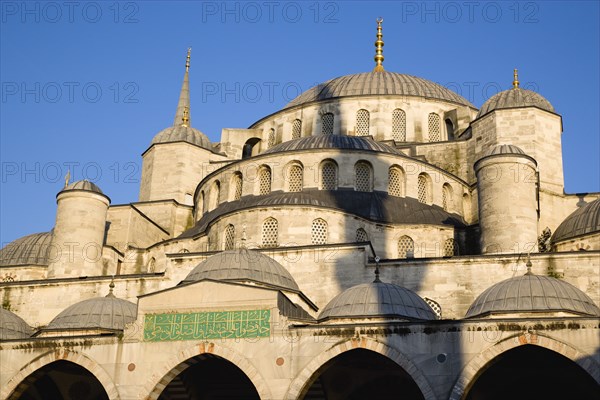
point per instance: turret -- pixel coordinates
(508, 202)
(78, 238)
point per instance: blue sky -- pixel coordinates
(88, 84)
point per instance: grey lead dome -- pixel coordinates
(28, 250)
(515, 98)
(582, 221)
(332, 142)
(243, 265)
(532, 293)
(12, 326)
(375, 84)
(97, 313)
(83, 185)
(378, 299)
(182, 133)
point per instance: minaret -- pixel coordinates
(379, 48)
(184, 96)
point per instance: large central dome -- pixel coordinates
(378, 83)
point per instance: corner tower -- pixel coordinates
(178, 156)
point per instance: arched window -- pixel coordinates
(271, 138)
(319, 231)
(361, 235)
(396, 181)
(362, 172)
(202, 203)
(435, 306)
(215, 195)
(362, 123)
(296, 178)
(328, 175)
(449, 129)
(249, 147)
(447, 197)
(433, 123)
(236, 186)
(327, 124)
(466, 207)
(264, 180)
(406, 247)
(450, 248)
(229, 239)
(270, 233)
(296, 129)
(399, 125)
(424, 188)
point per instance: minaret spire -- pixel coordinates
(379, 48)
(182, 115)
(515, 79)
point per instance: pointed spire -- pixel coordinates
(111, 286)
(379, 48)
(515, 79)
(181, 117)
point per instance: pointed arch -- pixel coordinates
(264, 180)
(297, 129)
(399, 125)
(447, 197)
(319, 234)
(236, 187)
(270, 233)
(362, 122)
(396, 181)
(424, 189)
(328, 175)
(363, 177)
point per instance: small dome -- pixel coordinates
(515, 98)
(82, 185)
(28, 250)
(375, 84)
(12, 326)
(97, 313)
(503, 149)
(333, 142)
(582, 221)
(532, 293)
(243, 265)
(378, 299)
(182, 133)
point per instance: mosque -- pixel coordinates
(378, 237)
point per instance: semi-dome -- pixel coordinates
(28, 250)
(107, 312)
(243, 265)
(515, 98)
(181, 133)
(502, 149)
(532, 294)
(333, 142)
(378, 83)
(12, 326)
(82, 185)
(377, 300)
(584, 220)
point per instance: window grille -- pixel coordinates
(435, 306)
(450, 248)
(406, 247)
(434, 127)
(295, 183)
(361, 235)
(327, 124)
(363, 177)
(319, 231)
(447, 203)
(329, 176)
(423, 192)
(399, 125)
(396, 182)
(296, 129)
(237, 186)
(271, 138)
(265, 181)
(362, 123)
(269, 233)
(229, 237)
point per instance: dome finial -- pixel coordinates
(184, 97)
(528, 265)
(243, 245)
(67, 177)
(379, 48)
(377, 280)
(111, 286)
(515, 79)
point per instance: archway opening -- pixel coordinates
(248, 149)
(209, 377)
(532, 372)
(361, 374)
(60, 380)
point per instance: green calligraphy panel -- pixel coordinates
(207, 325)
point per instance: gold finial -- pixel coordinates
(528, 265)
(186, 117)
(187, 60)
(515, 79)
(67, 177)
(379, 48)
(111, 286)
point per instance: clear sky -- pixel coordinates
(88, 84)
